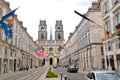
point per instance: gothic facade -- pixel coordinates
(51, 47)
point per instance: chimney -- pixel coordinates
(96, 4)
(8, 4)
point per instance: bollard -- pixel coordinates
(61, 75)
(65, 77)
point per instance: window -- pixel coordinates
(105, 7)
(11, 52)
(102, 52)
(10, 64)
(1, 12)
(59, 49)
(109, 46)
(59, 36)
(5, 49)
(92, 76)
(50, 49)
(0, 49)
(116, 20)
(108, 26)
(114, 2)
(42, 28)
(118, 43)
(58, 28)
(42, 36)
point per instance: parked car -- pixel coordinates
(72, 68)
(102, 75)
(54, 65)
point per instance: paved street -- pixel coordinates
(39, 74)
(71, 76)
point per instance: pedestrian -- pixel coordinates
(27, 67)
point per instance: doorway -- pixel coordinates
(14, 64)
(57, 61)
(51, 61)
(31, 63)
(5, 65)
(43, 63)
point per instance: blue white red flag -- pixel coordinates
(40, 51)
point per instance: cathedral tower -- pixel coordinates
(59, 33)
(42, 33)
(51, 46)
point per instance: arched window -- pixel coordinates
(42, 36)
(59, 36)
(59, 49)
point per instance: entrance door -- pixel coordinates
(43, 63)
(57, 61)
(14, 64)
(5, 68)
(51, 61)
(31, 62)
(5, 65)
(0, 65)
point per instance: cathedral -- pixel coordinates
(51, 47)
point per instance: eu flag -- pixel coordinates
(6, 23)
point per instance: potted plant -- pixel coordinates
(118, 27)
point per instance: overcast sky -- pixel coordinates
(32, 11)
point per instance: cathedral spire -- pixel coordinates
(51, 34)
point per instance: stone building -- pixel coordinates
(18, 51)
(110, 10)
(84, 46)
(51, 47)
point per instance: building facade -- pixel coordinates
(110, 10)
(18, 51)
(84, 47)
(51, 47)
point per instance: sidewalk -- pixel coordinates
(42, 77)
(4, 75)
